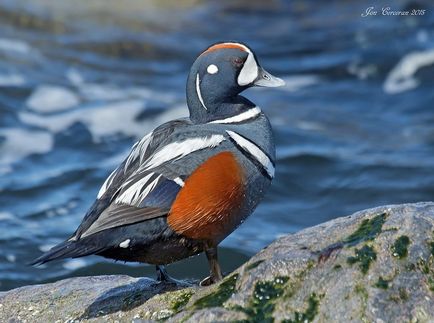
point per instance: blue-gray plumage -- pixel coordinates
(190, 182)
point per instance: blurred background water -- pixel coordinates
(81, 81)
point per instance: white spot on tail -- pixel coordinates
(179, 181)
(125, 244)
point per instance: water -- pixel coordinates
(81, 81)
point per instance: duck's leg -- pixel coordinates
(214, 267)
(162, 275)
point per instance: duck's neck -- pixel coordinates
(209, 106)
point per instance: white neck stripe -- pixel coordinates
(246, 115)
(199, 94)
(254, 150)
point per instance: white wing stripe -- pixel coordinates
(139, 149)
(106, 184)
(254, 150)
(246, 115)
(132, 194)
(178, 149)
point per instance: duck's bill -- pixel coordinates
(267, 80)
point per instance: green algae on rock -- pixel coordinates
(180, 300)
(364, 256)
(431, 247)
(309, 314)
(382, 283)
(221, 295)
(400, 247)
(254, 264)
(261, 306)
(368, 230)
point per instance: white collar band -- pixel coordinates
(246, 115)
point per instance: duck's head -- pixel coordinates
(218, 75)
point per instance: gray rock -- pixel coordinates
(374, 266)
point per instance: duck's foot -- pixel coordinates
(208, 281)
(164, 277)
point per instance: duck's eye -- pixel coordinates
(212, 69)
(237, 61)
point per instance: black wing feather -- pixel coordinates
(115, 215)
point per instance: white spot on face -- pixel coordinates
(125, 244)
(212, 69)
(249, 71)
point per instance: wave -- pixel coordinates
(101, 120)
(50, 98)
(401, 77)
(11, 80)
(13, 45)
(20, 143)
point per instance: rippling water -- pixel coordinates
(81, 81)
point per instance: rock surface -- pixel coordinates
(376, 265)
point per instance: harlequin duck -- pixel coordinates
(189, 183)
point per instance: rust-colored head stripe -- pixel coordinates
(226, 45)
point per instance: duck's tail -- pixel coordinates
(66, 249)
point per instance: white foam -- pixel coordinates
(401, 77)
(6, 216)
(74, 77)
(146, 126)
(362, 71)
(20, 143)
(13, 45)
(46, 247)
(297, 82)
(11, 257)
(50, 98)
(109, 92)
(5, 169)
(95, 92)
(73, 264)
(11, 80)
(101, 120)
(309, 125)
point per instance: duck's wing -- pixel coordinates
(136, 190)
